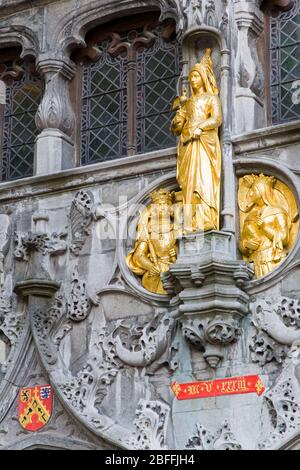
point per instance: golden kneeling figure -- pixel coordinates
(268, 220)
(155, 247)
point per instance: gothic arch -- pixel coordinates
(70, 33)
(20, 36)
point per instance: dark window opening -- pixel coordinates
(20, 95)
(126, 95)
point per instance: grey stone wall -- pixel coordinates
(71, 312)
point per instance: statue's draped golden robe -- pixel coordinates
(199, 161)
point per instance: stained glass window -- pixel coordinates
(127, 96)
(19, 131)
(285, 65)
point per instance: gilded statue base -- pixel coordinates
(207, 282)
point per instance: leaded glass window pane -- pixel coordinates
(143, 67)
(158, 73)
(19, 129)
(104, 109)
(285, 65)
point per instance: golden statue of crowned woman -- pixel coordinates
(196, 123)
(199, 154)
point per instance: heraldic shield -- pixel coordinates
(35, 407)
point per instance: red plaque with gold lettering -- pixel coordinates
(219, 387)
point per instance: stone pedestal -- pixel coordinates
(207, 282)
(54, 151)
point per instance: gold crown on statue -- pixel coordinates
(161, 195)
(205, 66)
(254, 179)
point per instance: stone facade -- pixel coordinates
(71, 312)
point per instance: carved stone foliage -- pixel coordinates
(81, 216)
(276, 323)
(151, 423)
(86, 391)
(289, 311)
(11, 325)
(207, 332)
(55, 110)
(222, 439)
(110, 355)
(50, 327)
(264, 349)
(282, 401)
(44, 243)
(79, 303)
(141, 346)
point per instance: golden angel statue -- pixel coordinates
(268, 221)
(155, 247)
(199, 154)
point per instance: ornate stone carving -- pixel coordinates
(86, 391)
(14, 72)
(81, 216)
(283, 402)
(49, 329)
(264, 349)
(55, 110)
(275, 320)
(289, 311)
(191, 13)
(151, 426)
(138, 346)
(223, 439)
(79, 303)
(211, 334)
(205, 270)
(21, 35)
(11, 324)
(44, 243)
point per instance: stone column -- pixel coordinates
(249, 106)
(229, 201)
(54, 148)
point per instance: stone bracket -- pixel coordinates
(207, 283)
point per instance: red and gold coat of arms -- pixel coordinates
(35, 407)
